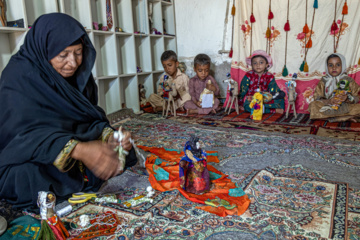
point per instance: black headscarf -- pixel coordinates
(40, 110)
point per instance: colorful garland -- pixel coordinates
(268, 31)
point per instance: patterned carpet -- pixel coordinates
(300, 187)
(301, 124)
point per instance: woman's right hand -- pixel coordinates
(100, 158)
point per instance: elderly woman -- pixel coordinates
(330, 103)
(53, 134)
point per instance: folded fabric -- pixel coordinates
(224, 197)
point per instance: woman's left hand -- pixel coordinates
(125, 142)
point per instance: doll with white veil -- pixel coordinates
(347, 101)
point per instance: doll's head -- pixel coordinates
(260, 61)
(335, 64)
(170, 62)
(202, 66)
(195, 146)
(343, 85)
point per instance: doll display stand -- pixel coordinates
(169, 105)
(291, 91)
(233, 96)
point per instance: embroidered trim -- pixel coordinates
(106, 133)
(63, 161)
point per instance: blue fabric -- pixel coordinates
(161, 174)
(214, 176)
(41, 111)
(236, 192)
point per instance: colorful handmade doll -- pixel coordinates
(51, 225)
(342, 89)
(256, 106)
(207, 91)
(193, 172)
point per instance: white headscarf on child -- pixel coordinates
(330, 81)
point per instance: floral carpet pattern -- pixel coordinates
(298, 206)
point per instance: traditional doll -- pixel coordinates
(207, 91)
(342, 89)
(256, 106)
(194, 175)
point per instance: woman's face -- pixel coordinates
(67, 62)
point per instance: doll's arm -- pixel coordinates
(190, 155)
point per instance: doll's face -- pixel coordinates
(334, 66)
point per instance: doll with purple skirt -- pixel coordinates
(193, 172)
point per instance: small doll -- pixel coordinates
(142, 94)
(342, 89)
(256, 106)
(51, 225)
(193, 172)
(233, 90)
(167, 87)
(291, 92)
(207, 91)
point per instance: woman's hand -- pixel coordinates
(125, 142)
(100, 158)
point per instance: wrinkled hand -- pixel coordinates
(100, 158)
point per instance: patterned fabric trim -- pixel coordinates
(63, 161)
(106, 133)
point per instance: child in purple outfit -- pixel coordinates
(198, 83)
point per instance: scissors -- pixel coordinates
(82, 197)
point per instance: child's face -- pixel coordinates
(334, 66)
(259, 65)
(202, 71)
(170, 67)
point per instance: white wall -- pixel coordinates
(200, 28)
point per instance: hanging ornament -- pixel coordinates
(231, 53)
(233, 9)
(271, 15)
(345, 9)
(287, 26)
(309, 43)
(252, 18)
(268, 33)
(359, 62)
(334, 27)
(285, 71)
(306, 67)
(316, 4)
(306, 29)
(302, 66)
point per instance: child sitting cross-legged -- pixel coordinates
(260, 80)
(200, 85)
(173, 81)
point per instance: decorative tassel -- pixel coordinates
(233, 10)
(345, 9)
(306, 67)
(306, 29)
(231, 53)
(271, 15)
(252, 18)
(287, 26)
(285, 71)
(302, 66)
(359, 62)
(309, 44)
(316, 4)
(334, 27)
(268, 33)
(46, 232)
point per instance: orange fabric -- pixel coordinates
(220, 187)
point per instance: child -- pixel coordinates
(202, 81)
(173, 80)
(348, 109)
(259, 79)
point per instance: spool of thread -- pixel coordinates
(64, 211)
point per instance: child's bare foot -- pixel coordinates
(213, 111)
(181, 109)
(278, 110)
